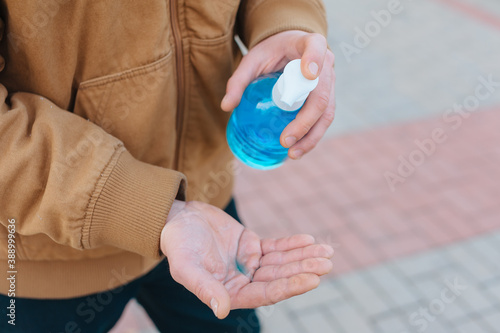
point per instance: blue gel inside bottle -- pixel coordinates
(254, 129)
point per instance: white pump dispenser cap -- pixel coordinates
(292, 88)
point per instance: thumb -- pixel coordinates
(207, 288)
(313, 48)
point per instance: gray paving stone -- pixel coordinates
(476, 267)
(476, 299)
(429, 288)
(392, 325)
(486, 252)
(469, 327)
(392, 283)
(493, 319)
(326, 293)
(422, 263)
(275, 319)
(350, 319)
(494, 239)
(493, 289)
(455, 311)
(438, 326)
(315, 322)
(366, 294)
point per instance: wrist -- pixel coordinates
(175, 209)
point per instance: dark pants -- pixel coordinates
(171, 307)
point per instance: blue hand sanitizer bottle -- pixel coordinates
(268, 104)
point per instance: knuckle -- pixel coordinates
(200, 291)
(329, 116)
(280, 258)
(294, 284)
(310, 144)
(277, 271)
(317, 38)
(309, 265)
(306, 127)
(277, 294)
(322, 100)
(287, 270)
(318, 251)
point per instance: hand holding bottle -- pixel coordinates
(271, 55)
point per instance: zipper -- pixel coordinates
(179, 63)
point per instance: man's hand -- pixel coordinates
(272, 54)
(228, 267)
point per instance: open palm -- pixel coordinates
(228, 266)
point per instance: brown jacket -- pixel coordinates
(107, 107)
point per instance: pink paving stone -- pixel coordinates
(302, 187)
(322, 214)
(367, 190)
(331, 236)
(392, 222)
(462, 227)
(355, 247)
(459, 201)
(405, 200)
(442, 218)
(369, 229)
(273, 230)
(335, 193)
(334, 220)
(398, 225)
(341, 263)
(488, 221)
(403, 245)
(304, 220)
(433, 231)
(263, 211)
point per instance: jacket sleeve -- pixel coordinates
(67, 178)
(259, 19)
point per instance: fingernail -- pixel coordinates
(214, 305)
(297, 153)
(313, 68)
(290, 141)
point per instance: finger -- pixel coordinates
(286, 244)
(312, 138)
(247, 71)
(252, 65)
(311, 251)
(201, 283)
(318, 266)
(313, 109)
(313, 48)
(258, 294)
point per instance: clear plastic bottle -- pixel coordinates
(267, 106)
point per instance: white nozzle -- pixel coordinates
(292, 88)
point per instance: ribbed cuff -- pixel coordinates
(130, 204)
(267, 18)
